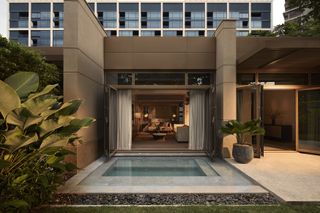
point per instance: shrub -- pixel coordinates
(35, 128)
(15, 58)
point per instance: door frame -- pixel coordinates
(256, 113)
(107, 143)
(297, 119)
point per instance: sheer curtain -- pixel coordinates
(197, 120)
(124, 130)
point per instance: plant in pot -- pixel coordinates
(242, 151)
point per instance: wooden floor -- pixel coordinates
(145, 141)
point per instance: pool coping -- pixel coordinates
(72, 186)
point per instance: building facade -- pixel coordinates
(293, 13)
(40, 22)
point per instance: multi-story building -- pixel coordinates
(293, 13)
(40, 22)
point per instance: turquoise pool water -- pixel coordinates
(155, 166)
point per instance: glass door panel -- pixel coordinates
(309, 121)
(110, 121)
(250, 107)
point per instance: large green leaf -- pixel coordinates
(18, 204)
(20, 179)
(40, 104)
(15, 139)
(24, 83)
(75, 125)
(54, 140)
(23, 118)
(9, 99)
(45, 91)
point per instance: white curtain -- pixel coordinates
(197, 135)
(124, 124)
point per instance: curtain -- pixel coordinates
(124, 130)
(198, 127)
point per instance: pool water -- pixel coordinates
(153, 166)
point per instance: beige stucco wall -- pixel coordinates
(84, 74)
(161, 53)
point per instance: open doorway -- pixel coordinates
(279, 120)
(160, 120)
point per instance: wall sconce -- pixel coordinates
(146, 115)
(174, 115)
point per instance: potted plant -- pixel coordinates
(242, 150)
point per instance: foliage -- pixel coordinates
(243, 130)
(35, 128)
(312, 5)
(16, 58)
(309, 28)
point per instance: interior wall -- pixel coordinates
(282, 103)
(83, 74)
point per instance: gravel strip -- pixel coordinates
(163, 199)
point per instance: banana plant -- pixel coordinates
(35, 128)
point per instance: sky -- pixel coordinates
(278, 9)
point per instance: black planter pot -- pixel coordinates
(242, 153)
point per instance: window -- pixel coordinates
(91, 6)
(107, 14)
(172, 15)
(129, 15)
(242, 33)
(172, 33)
(40, 15)
(19, 15)
(240, 12)
(128, 33)
(260, 15)
(58, 15)
(111, 32)
(151, 33)
(199, 78)
(159, 78)
(58, 38)
(150, 15)
(315, 79)
(194, 15)
(194, 33)
(40, 38)
(216, 12)
(244, 79)
(284, 79)
(210, 33)
(20, 36)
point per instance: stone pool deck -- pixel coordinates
(228, 181)
(291, 176)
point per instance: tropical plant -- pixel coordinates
(243, 131)
(15, 58)
(35, 128)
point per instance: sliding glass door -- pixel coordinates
(309, 121)
(110, 121)
(250, 107)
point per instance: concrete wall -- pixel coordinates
(84, 74)
(143, 53)
(225, 83)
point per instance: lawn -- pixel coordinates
(189, 209)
